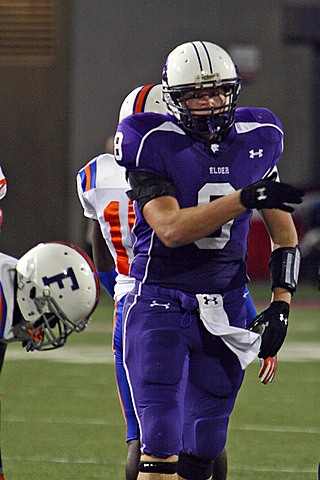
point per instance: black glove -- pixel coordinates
(272, 324)
(267, 193)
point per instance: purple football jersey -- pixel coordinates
(202, 172)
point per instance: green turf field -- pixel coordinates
(61, 419)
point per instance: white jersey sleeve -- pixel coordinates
(102, 192)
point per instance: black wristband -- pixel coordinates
(284, 266)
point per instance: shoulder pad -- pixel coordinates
(102, 172)
(135, 140)
(261, 121)
(259, 115)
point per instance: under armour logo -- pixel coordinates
(258, 153)
(282, 318)
(261, 193)
(155, 304)
(207, 300)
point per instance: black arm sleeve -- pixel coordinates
(146, 186)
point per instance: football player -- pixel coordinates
(195, 176)
(101, 186)
(50, 292)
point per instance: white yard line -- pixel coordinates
(300, 352)
(291, 352)
(69, 354)
(252, 468)
(277, 429)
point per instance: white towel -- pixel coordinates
(243, 343)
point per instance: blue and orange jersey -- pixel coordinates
(88, 176)
(102, 190)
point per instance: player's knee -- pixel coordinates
(194, 468)
(211, 436)
(166, 466)
(161, 430)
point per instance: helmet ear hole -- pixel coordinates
(32, 293)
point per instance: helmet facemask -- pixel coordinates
(218, 122)
(52, 328)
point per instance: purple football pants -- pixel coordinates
(183, 379)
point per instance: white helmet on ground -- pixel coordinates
(201, 65)
(147, 98)
(57, 291)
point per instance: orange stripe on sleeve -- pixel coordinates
(88, 177)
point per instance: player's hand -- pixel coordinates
(272, 324)
(268, 369)
(267, 193)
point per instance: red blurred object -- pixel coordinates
(259, 249)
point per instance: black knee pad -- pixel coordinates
(194, 468)
(158, 467)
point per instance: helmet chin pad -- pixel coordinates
(214, 125)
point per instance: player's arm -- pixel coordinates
(284, 264)
(103, 259)
(283, 234)
(177, 226)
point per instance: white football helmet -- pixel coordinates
(201, 65)
(57, 291)
(147, 98)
